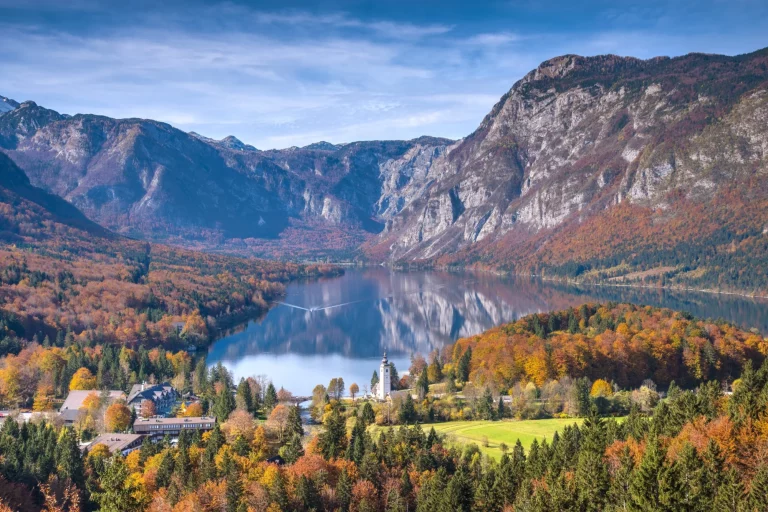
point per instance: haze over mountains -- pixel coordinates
(589, 167)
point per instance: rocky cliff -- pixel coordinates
(147, 179)
(588, 164)
(589, 167)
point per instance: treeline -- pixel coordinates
(700, 450)
(59, 275)
(719, 245)
(621, 343)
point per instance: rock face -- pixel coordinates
(589, 166)
(147, 179)
(578, 137)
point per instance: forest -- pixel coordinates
(61, 274)
(701, 445)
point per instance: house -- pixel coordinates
(122, 443)
(163, 395)
(172, 426)
(70, 409)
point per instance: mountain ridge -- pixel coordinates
(665, 145)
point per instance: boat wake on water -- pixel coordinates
(323, 308)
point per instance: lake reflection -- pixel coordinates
(341, 327)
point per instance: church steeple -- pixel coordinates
(385, 382)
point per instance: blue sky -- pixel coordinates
(277, 74)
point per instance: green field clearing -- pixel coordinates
(499, 432)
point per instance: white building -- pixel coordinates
(385, 379)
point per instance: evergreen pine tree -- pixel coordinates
(69, 460)
(464, 365)
(758, 491)
(234, 486)
(244, 394)
(644, 487)
(333, 440)
(344, 490)
(619, 494)
(458, 494)
(224, 404)
(270, 398)
(422, 385)
(730, 495)
(116, 494)
(165, 470)
(294, 422)
(307, 495)
(591, 473)
(407, 414)
(406, 490)
(293, 450)
(711, 472)
(368, 415)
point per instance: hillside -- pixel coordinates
(599, 167)
(62, 273)
(149, 180)
(589, 168)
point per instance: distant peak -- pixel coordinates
(7, 104)
(323, 145)
(229, 142)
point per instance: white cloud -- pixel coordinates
(493, 39)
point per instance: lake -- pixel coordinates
(340, 327)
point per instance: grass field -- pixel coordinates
(498, 432)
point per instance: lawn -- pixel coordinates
(498, 432)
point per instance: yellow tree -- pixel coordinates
(43, 398)
(83, 379)
(601, 388)
(117, 418)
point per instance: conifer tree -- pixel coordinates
(730, 495)
(69, 461)
(270, 398)
(591, 473)
(619, 494)
(244, 395)
(294, 449)
(333, 440)
(644, 487)
(165, 470)
(758, 491)
(224, 404)
(294, 421)
(407, 412)
(307, 494)
(406, 490)
(116, 494)
(344, 490)
(368, 415)
(458, 494)
(746, 401)
(234, 487)
(464, 365)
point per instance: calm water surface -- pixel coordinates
(340, 327)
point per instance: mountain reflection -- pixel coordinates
(407, 312)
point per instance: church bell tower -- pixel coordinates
(385, 382)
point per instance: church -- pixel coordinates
(385, 379)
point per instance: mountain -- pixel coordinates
(31, 211)
(149, 180)
(7, 104)
(589, 168)
(607, 167)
